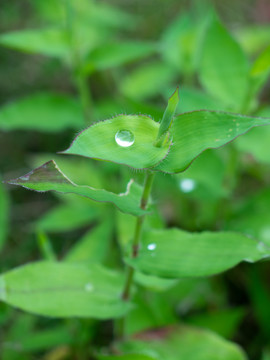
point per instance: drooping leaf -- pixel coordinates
(114, 54)
(223, 69)
(48, 177)
(4, 215)
(174, 253)
(125, 139)
(197, 131)
(183, 342)
(64, 290)
(43, 112)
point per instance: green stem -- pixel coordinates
(136, 242)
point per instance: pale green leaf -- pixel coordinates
(183, 342)
(64, 290)
(223, 69)
(47, 41)
(124, 139)
(197, 131)
(93, 246)
(43, 112)
(147, 81)
(174, 253)
(48, 177)
(4, 214)
(114, 54)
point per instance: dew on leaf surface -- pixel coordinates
(187, 185)
(151, 246)
(124, 138)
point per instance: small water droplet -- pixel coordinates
(124, 138)
(187, 185)
(88, 287)
(151, 247)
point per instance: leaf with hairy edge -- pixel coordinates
(174, 253)
(125, 139)
(183, 342)
(43, 112)
(196, 131)
(64, 290)
(49, 177)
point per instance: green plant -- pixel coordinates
(153, 257)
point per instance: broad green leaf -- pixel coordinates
(183, 342)
(124, 139)
(93, 246)
(147, 81)
(197, 131)
(43, 112)
(175, 253)
(223, 69)
(64, 290)
(48, 41)
(117, 53)
(4, 215)
(49, 177)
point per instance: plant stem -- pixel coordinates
(136, 242)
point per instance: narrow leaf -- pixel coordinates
(175, 253)
(125, 139)
(49, 177)
(4, 215)
(197, 131)
(64, 290)
(43, 112)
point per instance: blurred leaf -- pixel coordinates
(64, 290)
(115, 54)
(50, 41)
(4, 215)
(223, 69)
(129, 356)
(45, 246)
(153, 282)
(224, 322)
(43, 112)
(48, 177)
(262, 63)
(147, 81)
(124, 139)
(253, 38)
(183, 343)
(93, 246)
(174, 253)
(197, 131)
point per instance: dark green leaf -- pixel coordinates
(48, 177)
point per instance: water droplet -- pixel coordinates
(151, 246)
(88, 287)
(124, 138)
(187, 185)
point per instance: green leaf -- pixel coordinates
(4, 215)
(183, 342)
(167, 119)
(223, 69)
(43, 112)
(197, 131)
(174, 253)
(125, 139)
(114, 54)
(48, 41)
(49, 177)
(262, 63)
(129, 356)
(93, 246)
(64, 290)
(147, 81)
